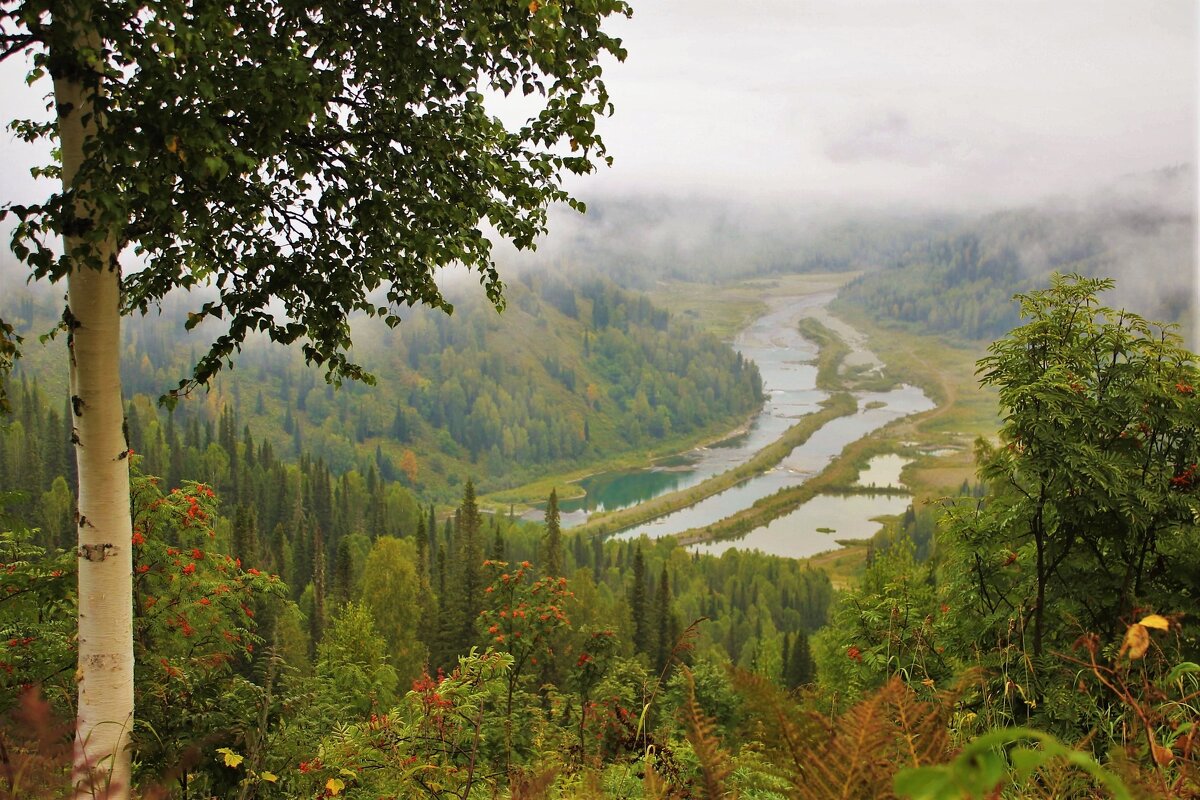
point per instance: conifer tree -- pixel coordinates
(343, 571)
(497, 553)
(432, 530)
(245, 535)
(552, 559)
(441, 645)
(663, 634)
(637, 603)
(316, 624)
(597, 558)
(467, 593)
(422, 540)
(800, 669)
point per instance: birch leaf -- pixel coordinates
(1137, 641)
(1155, 621)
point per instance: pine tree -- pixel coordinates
(552, 560)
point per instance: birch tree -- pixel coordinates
(305, 162)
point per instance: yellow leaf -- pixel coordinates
(1155, 621)
(334, 786)
(1137, 641)
(534, 5)
(1162, 755)
(270, 777)
(232, 759)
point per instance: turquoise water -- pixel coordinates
(785, 361)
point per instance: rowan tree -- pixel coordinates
(1094, 490)
(304, 162)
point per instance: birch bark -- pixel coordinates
(105, 672)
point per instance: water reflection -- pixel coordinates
(815, 526)
(784, 360)
(883, 472)
(876, 409)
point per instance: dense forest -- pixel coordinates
(261, 419)
(303, 632)
(961, 281)
(569, 374)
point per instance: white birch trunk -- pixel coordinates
(105, 674)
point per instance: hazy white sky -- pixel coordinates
(942, 103)
(939, 103)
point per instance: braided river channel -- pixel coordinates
(786, 361)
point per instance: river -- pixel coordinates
(785, 361)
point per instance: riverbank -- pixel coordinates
(728, 311)
(838, 405)
(939, 441)
(534, 494)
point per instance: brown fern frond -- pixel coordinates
(784, 730)
(922, 735)
(853, 762)
(1178, 780)
(857, 754)
(715, 767)
(531, 785)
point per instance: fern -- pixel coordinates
(715, 767)
(856, 754)
(531, 785)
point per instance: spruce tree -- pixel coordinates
(552, 560)
(316, 624)
(431, 530)
(469, 580)
(497, 553)
(422, 549)
(343, 572)
(637, 603)
(801, 669)
(663, 634)
(245, 536)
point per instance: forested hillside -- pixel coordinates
(303, 632)
(962, 282)
(566, 376)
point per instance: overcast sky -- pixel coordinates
(944, 104)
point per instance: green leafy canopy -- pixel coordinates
(301, 156)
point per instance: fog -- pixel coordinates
(769, 135)
(945, 104)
